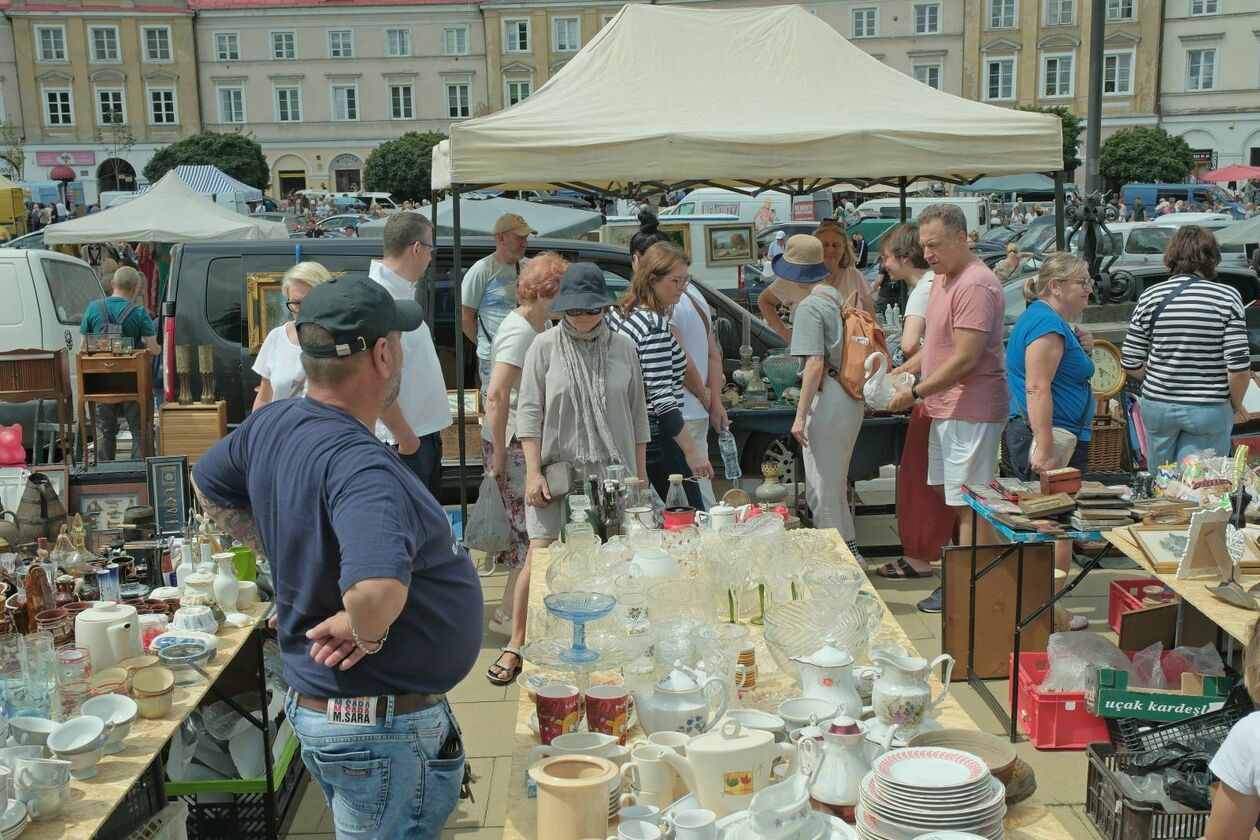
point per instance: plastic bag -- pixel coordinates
(1076, 657)
(1147, 671)
(1191, 660)
(488, 528)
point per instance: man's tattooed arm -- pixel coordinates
(237, 523)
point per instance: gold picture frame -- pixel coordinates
(264, 306)
(680, 235)
(729, 244)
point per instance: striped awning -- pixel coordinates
(211, 180)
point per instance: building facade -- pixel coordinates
(320, 87)
(101, 86)
(1210, 79)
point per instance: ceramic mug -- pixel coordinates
(695, 824)
(608, 710)
(676, 741)
(576, 743)
(647, 772)
(640, 813)
(559, 710)
(637, 830)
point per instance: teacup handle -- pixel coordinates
(741, 676)
(948, 661)
(808, 756)
(629, 773)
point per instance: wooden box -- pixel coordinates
(472, 441)
(995, 606)
(190, 429)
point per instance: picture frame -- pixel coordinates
(472, 402)
(264, 306)
(59, 477)
(12, 483)
(1207, 550)
(102, 505)
(680, 235)
(169, 492)
(729, 244)
(618, 235)
(102, 538)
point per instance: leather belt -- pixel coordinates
(403, 703)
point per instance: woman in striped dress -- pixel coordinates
(642, 314)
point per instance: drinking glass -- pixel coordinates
(10, 671)
(39, 673)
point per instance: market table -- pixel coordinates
(1027, 820)
(93, 801)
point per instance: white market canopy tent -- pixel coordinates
(660, 98)
(211, 180)
(170, 211)
(477, 218)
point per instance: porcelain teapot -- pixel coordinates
(110, 632)
(827, 674)
(725, 767)
(880, 388)
(901, 695)
(837, 771)
(680, 702)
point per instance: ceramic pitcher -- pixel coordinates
(901, 695)
(846, 757)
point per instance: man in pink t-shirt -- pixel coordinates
(963, 385)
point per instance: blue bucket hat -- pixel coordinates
(801, 260)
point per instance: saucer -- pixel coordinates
(13, 818)
(738, 826)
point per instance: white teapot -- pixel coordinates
(725, 767)
(109, 631)
(827, 674)
(679, 702)
(880, 388)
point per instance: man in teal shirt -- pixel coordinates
(120, 314)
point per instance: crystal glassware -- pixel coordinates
(579, 608)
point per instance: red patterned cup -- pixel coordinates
(559, 710)
(608, 711)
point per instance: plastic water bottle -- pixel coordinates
(730, 454)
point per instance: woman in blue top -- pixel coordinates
(1048, 369)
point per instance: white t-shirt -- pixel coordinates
(422, 394)
(917, 302)
(691, 315)
(511, 343)
(1237, 762)
(280, 363)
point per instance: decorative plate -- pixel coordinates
(934, 768)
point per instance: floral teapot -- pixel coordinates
(880, 388)
(827, 674)
(681, 702)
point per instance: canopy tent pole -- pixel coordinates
(1093, 107)
(457, 282)
(1060, 222)
(901, 196)
(430, 293)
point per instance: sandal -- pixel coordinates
(501, 622)
(899, 569)
(499, 674)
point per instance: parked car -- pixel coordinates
(291, 221)
(996, 238)
(340, 222)
(31, 240)
(208, 302)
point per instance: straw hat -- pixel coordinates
(801, 260)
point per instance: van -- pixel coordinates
(745, 206)
(975, 209)
(618, 231)
(380, 199)
(45, 295)
(1196, 196)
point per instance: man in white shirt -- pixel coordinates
(776, 247)
(692, 323)
(489, 288)
(414, 422)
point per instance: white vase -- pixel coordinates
(226, 586)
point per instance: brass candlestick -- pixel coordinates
(205, 362)
(183, 369)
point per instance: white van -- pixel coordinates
(618, 230)
(975, 209)
(745, 206)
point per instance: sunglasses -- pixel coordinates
(577, 312)
(293, 305)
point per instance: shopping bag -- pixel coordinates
(488, 528)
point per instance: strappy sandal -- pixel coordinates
(899, 569)
(499, 674)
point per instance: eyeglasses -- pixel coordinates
(576, 312)
(293, 305)
(681, 281)
(427, 245)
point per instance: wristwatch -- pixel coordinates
(914, 392)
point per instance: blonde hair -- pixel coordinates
(1059, 267)
(308, 273)
(847, 258)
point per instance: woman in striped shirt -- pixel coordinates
(642, 313)
(1187, 342)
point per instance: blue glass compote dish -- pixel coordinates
(579, 608)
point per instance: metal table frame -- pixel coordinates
(1018, 540)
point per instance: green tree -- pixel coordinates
(1072, 128)
(236, 153)
(116, 135)
(13, 148)
(1144, 154)
(402, 167)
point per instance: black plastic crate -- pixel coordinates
(1119, 818)
(144, 799)
(244, 815)
(1139, 736)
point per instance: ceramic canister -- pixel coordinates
(573, 796)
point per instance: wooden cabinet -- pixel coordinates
(190, 429)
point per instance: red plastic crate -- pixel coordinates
(1054, 720)
(1126, 596)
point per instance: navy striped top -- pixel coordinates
(662, 360)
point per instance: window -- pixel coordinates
(401, 102)
(1200, 69)
(162, 106)
(341, 43)
(50, 41)
(1204, 7)
(1056, 75)
(109, 106)
(157, 43)
(1002, 14)
(604, 20)
(928, 74)
(58, 108)
(927, 18)
(1119, 9)
(231, 105)
(1060, 12)
(516, 35)
(288, 104)
(345, 103)
(455, 40)
(74, 287)
(398, 43)
(457, 97)
(1118, 73)
(283, 45)
(565, 34)
(227, 46)
(1000, 79)
(864, 22)
(516, 91)
(104, 43)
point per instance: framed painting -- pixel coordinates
(729, 244)
(680, 235)
(102, 505)
(1163, 545)
(169, 494)
(618, 235)
(264, 306)
(472, 402)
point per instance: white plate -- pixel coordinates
(13, 816)
(985, 798)
(886, 829)
(931, 768)
(736, 827)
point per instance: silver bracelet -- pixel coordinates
(359, 643)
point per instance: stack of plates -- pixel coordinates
(921, 790)
(13, 820)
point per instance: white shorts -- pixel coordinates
(962, 452)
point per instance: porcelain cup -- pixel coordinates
(637, 830)
(41, 772)
(79, 735)
(5, 775)
(640, 813)
(695, 824)
(117, 711)
(646, 771)
(676, 741)
(575, 743)
(804, 711)
(755, 719)
(83, 764)
(44, 802)
(654, 562)
(30, 731)
(9, 757)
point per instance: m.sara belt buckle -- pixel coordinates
(352, 711)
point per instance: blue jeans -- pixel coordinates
(1174, 430)
(384, 781)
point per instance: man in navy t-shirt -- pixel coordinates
(380, 609)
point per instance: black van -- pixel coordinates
(214, 286)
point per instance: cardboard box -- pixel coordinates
(1113, 698)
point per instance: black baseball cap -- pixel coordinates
(357, 312)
